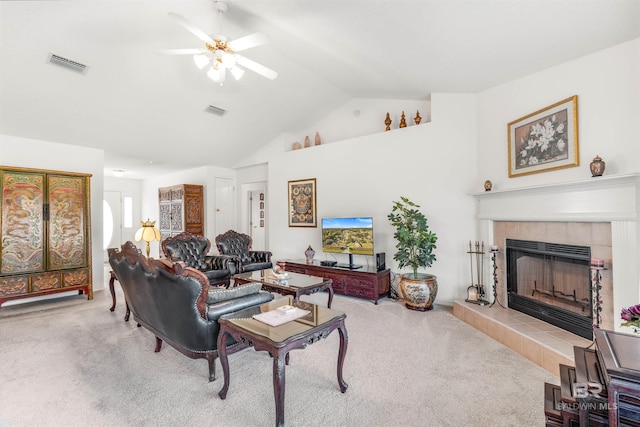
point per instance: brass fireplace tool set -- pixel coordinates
(475, 292)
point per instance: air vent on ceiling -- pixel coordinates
(215, 110)
(67, 63)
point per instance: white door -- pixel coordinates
(258, 220)
(224, 196)
(112, 217)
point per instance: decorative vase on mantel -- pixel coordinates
(309, 254)
(307, 142)
(317, 141)
(597, 166)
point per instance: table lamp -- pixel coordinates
(148, 232)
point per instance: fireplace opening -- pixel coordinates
(551, 282)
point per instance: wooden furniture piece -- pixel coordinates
(364, 282)
(112, 279)
(294, 284)
(45, 230)
(603, 389)
(619, 355)
(181, 209)
(278, 341)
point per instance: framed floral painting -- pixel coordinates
(302, 203)
(544, 140)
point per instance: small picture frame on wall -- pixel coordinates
(262, 223)
(261, 205)
(302, 203)
(261, 196)
(261, 214)
(544, 140)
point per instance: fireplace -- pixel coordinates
(552, 282)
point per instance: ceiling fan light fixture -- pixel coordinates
(237, 72)
(201, 60)
(228, 60)
(215, 74)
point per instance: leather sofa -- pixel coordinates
(239, 245)
(177, 304)
(193, 250)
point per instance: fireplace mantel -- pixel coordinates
(613, 199)
(610, 198)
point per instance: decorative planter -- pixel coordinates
(419, 293)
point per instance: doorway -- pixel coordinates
(257, 222)
(112, 217)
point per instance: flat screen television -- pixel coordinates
(352, 236)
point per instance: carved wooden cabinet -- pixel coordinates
(45, 230)
(181, 209)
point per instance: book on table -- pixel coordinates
(281, 315)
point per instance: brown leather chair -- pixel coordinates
(239, 245)
(192, 250)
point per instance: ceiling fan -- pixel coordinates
(219, 54)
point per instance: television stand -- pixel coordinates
(365, 282)
(348, 266)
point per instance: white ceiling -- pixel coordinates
(141, 107)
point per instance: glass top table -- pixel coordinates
(278, 341)
(294, 284)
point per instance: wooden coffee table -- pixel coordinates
(295, 284)
(280, 340)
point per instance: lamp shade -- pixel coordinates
(148, 232)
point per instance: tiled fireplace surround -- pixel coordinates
(601, 213)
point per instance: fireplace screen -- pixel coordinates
(551, 282)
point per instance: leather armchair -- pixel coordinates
(192, 250)
(239, 245)
(177, 303)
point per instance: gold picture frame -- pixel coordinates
(302, 203)
(544, 140)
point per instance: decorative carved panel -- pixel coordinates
(14, 285)
(181, 209)
(75, 277)
(22, 223)
(45, 281)
(67, 248)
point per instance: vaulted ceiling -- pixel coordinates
(147, 110)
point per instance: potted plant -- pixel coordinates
(415, 245)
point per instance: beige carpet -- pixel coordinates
(72, 362)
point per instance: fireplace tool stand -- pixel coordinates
(597, 265)
(494, 252)
(475, 292)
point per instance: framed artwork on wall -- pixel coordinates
(544, 140)
(302, 203)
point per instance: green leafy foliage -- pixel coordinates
(416, 241)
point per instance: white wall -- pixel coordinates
(37, 154)
(433, 164)
(608, 87)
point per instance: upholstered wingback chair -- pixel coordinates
(193, 250)
(239, 245)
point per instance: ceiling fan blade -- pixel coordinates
(247, 42)
(256, 68)
(182, 51)
(192, 28)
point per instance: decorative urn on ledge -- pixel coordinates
(415, 245)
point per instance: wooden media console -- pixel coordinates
(364, 282)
